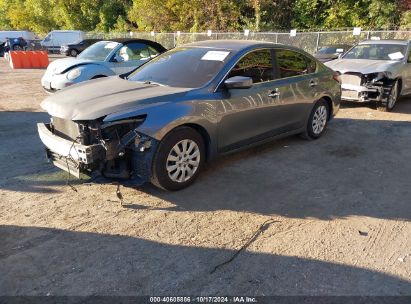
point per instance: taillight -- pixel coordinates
(336, 77)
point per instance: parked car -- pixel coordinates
(186, 106)
(55, 39)
(104, 58)
(74, 49)
(15, 44)
(331, 52)
(375, 71)
(26, 35)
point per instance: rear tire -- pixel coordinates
(178, 160)
(317, 122)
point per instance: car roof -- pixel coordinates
(125, 41)
(386, 41)
(337, 45)
(154, 44)
(234, 45)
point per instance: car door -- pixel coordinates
(246, 115)
(129, 57)
(297, 87)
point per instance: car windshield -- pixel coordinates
(377, 52)
(330, 50)
(98, 51)
(183, 67)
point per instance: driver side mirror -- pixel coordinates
(239, 82)
(118, 58)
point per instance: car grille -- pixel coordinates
(65, 128)
(350, 79)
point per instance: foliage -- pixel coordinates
(42, 16)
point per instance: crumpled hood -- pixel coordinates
(96, 98)
(60, 65)
(363, 66)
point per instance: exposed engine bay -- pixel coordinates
(96, 148)
(366, 87)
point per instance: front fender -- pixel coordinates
(163, 117)
(88, 71)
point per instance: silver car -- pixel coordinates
(102, 59)
(185, 107)
(375, 70)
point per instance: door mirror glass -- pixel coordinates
(239, 82)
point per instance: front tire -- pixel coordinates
(179, 159)
(73, 53)
(317, 122)
(391, 100)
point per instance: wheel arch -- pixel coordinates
(401, 83)
(329, 102)
(202, 131)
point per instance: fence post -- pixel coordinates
(368, 35)
(276, 37)
(318, 41)
(174, 39)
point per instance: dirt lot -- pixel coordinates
(339, 211)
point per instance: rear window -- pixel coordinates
(291, 63)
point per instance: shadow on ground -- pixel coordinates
(40, 261)
(360, 167)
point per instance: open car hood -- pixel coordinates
(97, 98)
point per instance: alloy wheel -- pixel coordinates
(319, 119)
(183, 160)
(392, 99)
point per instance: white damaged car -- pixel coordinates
(375, 71)
(102, 59)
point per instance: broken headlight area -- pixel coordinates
(379, 84)
(114, 149)
(367, 87)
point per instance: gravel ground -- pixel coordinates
(338, 212)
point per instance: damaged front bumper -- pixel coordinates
(128, 158)
(362, 88)
(69, 155)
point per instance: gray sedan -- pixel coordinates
(185, 107)
(102, 59)
(375, 70)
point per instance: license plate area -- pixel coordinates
(347, 94)
(64, 163)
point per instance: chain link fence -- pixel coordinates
(308, 41)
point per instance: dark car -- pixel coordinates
(13, 44)
(186, 106)
(74, 49)
(331, 52)
(2, 48)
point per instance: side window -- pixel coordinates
(134, 51)
(257, 65)
(311, 65)
(153, 52)
(291, 63)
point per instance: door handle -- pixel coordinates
(274, 93)
(313, 83)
